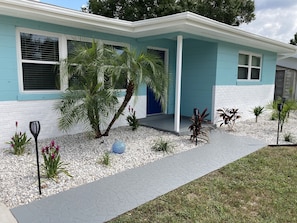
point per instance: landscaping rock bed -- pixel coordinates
(83, 154)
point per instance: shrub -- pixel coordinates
(196, 126)
(106, 158)
(19, 141)
(229, 116)
(131, 119)
(162, 145)
(258, 110)
(53, 165)
(288, 106)
(288, 137)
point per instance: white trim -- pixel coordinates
(166, 50)
(179, 57)
(20, 61)
(62, 44)
(249, 66)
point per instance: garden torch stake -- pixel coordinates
(35, 129)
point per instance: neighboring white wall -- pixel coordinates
(25, 111)
(245, 98)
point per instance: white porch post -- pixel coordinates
(179, 52)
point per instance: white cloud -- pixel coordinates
(274, 19)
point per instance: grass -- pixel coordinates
(261, 187)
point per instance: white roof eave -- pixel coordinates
(183, 22)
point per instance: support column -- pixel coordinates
(179, 54)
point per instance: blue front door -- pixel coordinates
(153, 106)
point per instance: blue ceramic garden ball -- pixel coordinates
(118, 147)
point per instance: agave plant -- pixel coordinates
(229, 116)
(196, 126)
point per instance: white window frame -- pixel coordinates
(21, 61)
(249, 66)
(62, 38)
(166, 59)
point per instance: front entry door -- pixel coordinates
(279, 84)
(153, 106)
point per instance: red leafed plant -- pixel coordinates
(52, 163)
(229, 116)
(196, 126)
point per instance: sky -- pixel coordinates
(275, 19)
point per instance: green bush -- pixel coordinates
(18, 142)
(131, 119)
(105, 160)
(288, 137)
(53, 165)
(258, 110)
(162, 145)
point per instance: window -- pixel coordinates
(249, 66)
(40, 62)
(76, 81)
(121, 82)
(40, 54)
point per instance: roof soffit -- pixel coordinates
(183, 22)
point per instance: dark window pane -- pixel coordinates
(41, 76)
(255, 74)
(256, 61)
(242, 73)
(243, 59)
(38, 47)
(76, 82)
(121, 82)
(72, 45)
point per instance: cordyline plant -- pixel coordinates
(53, 165)
(229, 116)
(19, 141)
(131, 119)
(196, 126)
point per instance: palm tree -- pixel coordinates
(138, 69)
(87, 99)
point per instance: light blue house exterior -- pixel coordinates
(211, 65)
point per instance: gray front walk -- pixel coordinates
(109, 197)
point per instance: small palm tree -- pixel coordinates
(143, 68)
(258, 110)
(87, 99)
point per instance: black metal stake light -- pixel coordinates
(35, 129)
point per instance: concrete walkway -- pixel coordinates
(109, 197)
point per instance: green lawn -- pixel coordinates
(261, 187)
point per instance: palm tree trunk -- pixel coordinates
(128, 96)
(93, 118)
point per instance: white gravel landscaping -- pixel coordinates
(18, 174)
(82, 153)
